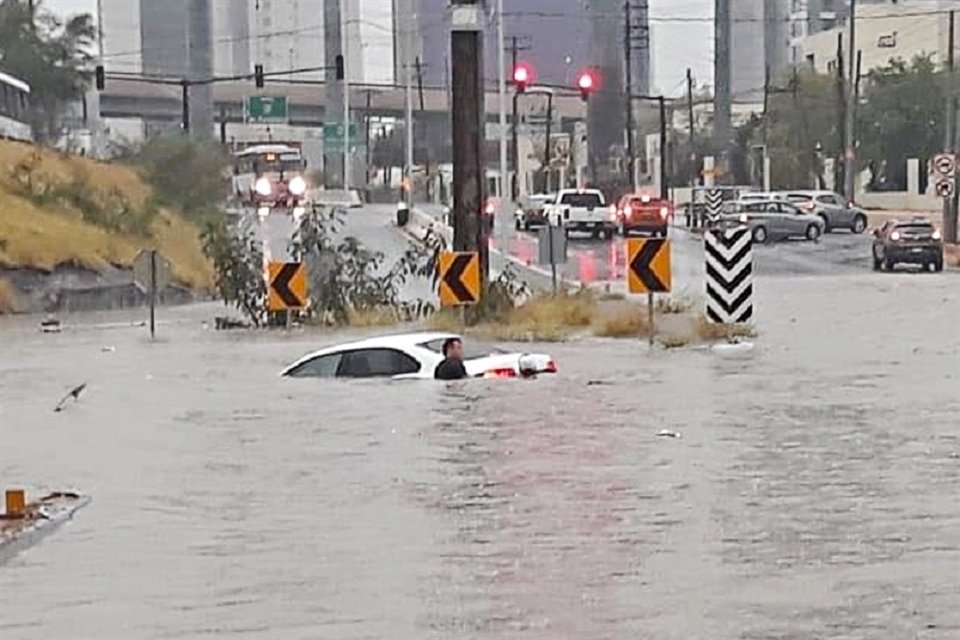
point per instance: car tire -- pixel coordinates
(760, 235)
(826, 223)
(888, 264)
(607, 234)
(938, 265)
(520, 225)
(813, 233)
(859, 224)
(877, 264)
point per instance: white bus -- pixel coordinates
(270, 174)
(14, 103)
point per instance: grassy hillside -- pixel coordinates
(64, 210)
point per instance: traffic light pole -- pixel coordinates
(466, 47)
(627, 51)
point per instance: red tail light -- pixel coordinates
(506, 372)
(628, 211)
(551, 367)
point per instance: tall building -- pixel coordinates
(286, 34)
(553, 35)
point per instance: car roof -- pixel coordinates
(814, 193)
(395, 341)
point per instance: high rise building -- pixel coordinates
(554, 36)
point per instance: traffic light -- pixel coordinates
(258, 75)
(587, 83)
(338, 64)
(522, 77)
(100, 77)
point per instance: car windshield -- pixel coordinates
(798, 197)
(471, 349)
(915, 228)
(586, 200)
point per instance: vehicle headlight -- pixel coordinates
(895, 235)
(664, 212)
(263, 212)
(744, 217)
(936, 234)
(262, 186)
(297, 185)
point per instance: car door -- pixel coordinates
(777, 224)
(835, 209)
(380, 362)
(795, 220)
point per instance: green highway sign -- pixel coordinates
(333, 136)
(272, 109)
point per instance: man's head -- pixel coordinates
(453, 348)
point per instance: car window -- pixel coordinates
(471, 349)
(366, 363)
(798, 197)
(915, 228)
(787, 207)
(584, 200)
(828, 199)
(754, 207)
(319, 367)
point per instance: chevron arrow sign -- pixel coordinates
(714, 204)
(729, 271)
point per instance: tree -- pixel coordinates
(185, 173)
(902, 117)
(51, 55)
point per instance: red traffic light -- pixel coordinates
(587, 83)
(522, 77)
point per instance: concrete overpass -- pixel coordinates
(307, 103)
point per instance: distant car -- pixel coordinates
(530, 212)
(413, 355)
(914, 241)
(775, 220)
(836, 211)
(643, 213)
(582, 210)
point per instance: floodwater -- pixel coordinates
(814, 493)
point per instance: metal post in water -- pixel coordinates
(553, 262)
(153, 292)
(650, 318)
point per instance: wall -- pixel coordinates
(885, 32)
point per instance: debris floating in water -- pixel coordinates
(666, 433)
(74, 393)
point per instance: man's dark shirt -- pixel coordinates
(450, 369)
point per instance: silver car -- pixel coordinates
(836, 211)
(776, 220)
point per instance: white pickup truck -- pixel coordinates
(582, 210)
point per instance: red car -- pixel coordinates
(643, 213)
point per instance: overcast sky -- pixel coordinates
(676, 44)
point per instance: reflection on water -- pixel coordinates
(813, 493)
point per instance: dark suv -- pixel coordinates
(912, 242)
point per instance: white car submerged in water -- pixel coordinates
(413, 355)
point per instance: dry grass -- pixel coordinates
(543, 318)
(52, 235)
(61, 168)
(378, 317)
(8, 297)
(622, 321)
(710, 331)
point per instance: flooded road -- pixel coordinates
(815, 491)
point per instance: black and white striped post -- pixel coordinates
(729, 274)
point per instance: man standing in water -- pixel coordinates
(451, 367)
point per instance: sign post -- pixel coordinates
(945, 170)
(552, 242)
(648, 271)
(151, 273)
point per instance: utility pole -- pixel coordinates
(502, 89)
(841, 110)
(466, 47)
(346, 112)
(515, 48)
(366, 136)
(850, 151)
(690, 129)
(949, 143)
(721, 71)
(408, 68)
(664, 187)
(547, 174)
(628, 75)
